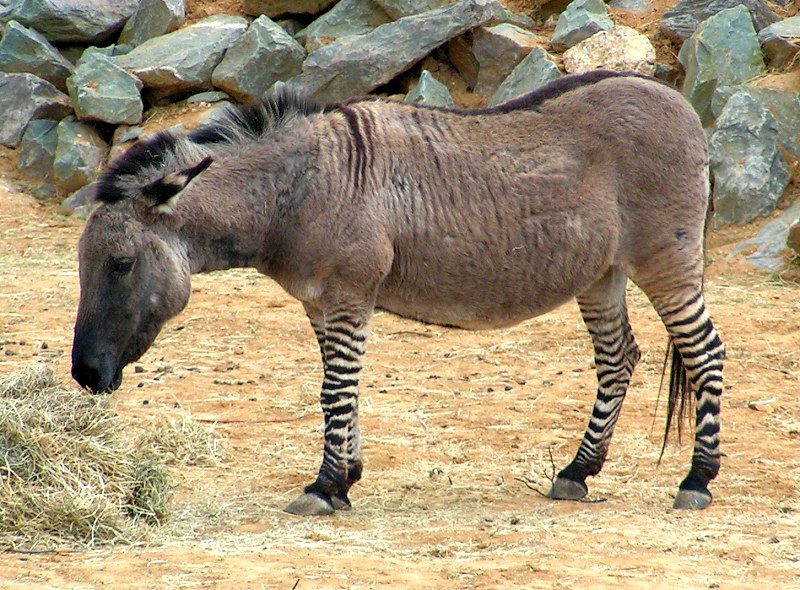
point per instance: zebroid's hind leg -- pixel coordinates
(615, 351)
(342, 334)
(701, 354)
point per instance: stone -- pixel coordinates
(352, 66)
(84, 21)
(79, 155)
(533, 71)
(183, 61)
(771, 241)
(430, 92)
(210, 96)
(749, 171)
(348, 17)
(793, 234)
(683, 19)
(285, 8)
(152, 19)
(24, 50)
(498, 49)
(783, 105)
(459, 52)
(81, 203)
(126, 133)
(92, 53)
(262, 56)
(23, 98)
(580, 20)
(781, 41)
(620, 49)
(724, 50)
(103, 91)
(402, 8)
(634, 6)
(672, 75)
(36, 155)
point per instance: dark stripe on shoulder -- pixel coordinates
(359, 147)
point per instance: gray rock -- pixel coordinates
(634, 6)
(92, 53)
(682, 20)
(80, 152)
(283, 8)
(151, 19)
(126, 133)
(262, 56)
(348, 17)
(89, 21)
(402, 8)
(210, 96)
(783, 105)
(25, 97)
(352, 66)
(36, 155)
(670, 74)
(581, 20)
(533, 71)
(750, 173)
(430, 92)
(498, 49)
(724, 50)
(80, 203)
(103, 91)
(183, 61)
(781, 41)
(771, 240)
(23, 50)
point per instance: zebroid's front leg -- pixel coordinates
(343, 348)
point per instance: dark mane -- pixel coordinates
(554, 89)
(145, 154)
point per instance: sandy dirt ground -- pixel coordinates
(458, 428)
(453, 422)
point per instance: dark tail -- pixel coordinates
(680, 399)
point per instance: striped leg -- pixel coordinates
(342, 335)
(616, 354)
(702, 353)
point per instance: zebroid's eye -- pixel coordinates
(122, 266)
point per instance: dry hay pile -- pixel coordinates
(69, 475)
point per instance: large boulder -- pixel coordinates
(37, 154)
(724, 50)
(183, 61)
(348, 17)
(682, 20)
(580, 20)
(24, 50)
(83, 21)
(151, 19)
(103, 91)
(781, 41)
(767, 246)
(352, 66)
(284, 8)
(23, 98)
(620, 49)
(430, 92)
(264, 55)
(498, 49)
(79, 155)
(533, 71)
(749, 171)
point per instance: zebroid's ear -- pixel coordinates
(165, 192)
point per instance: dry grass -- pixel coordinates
(183, 442)
(67, 474)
